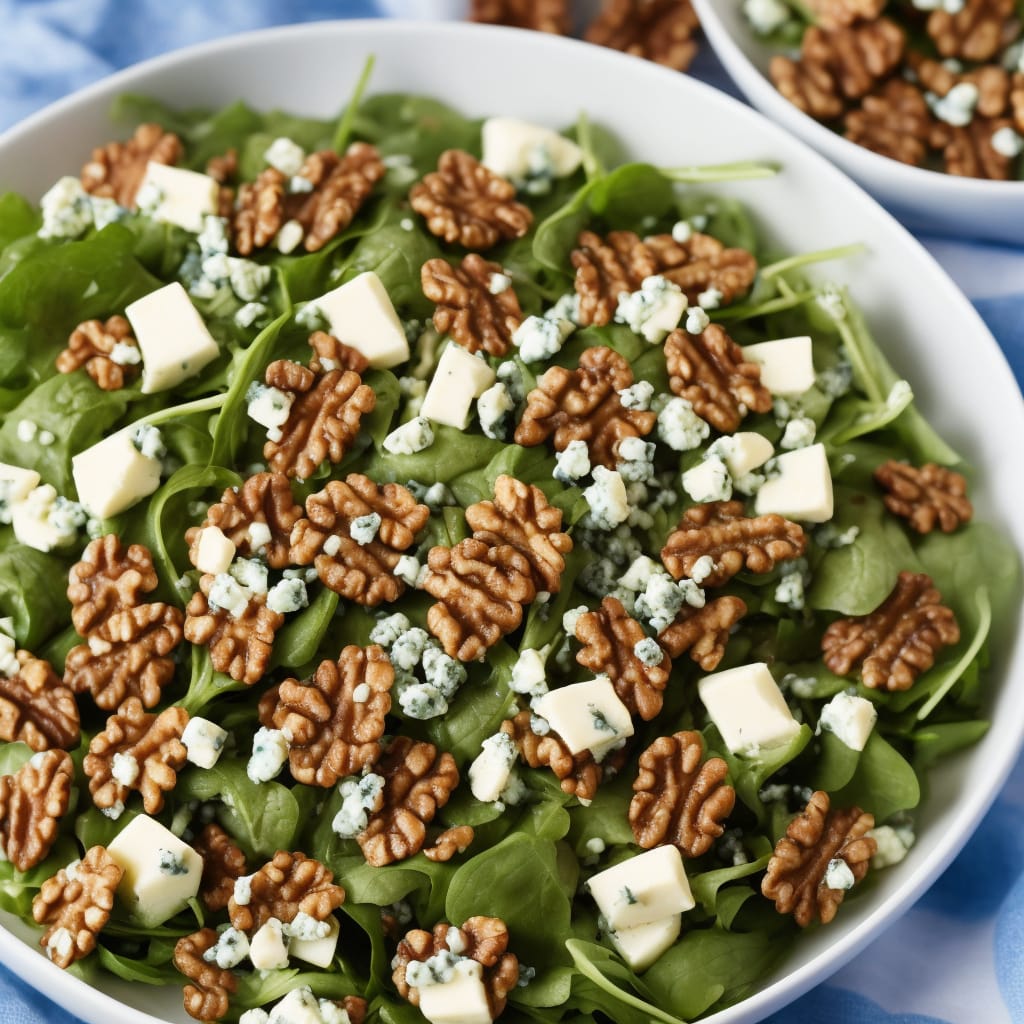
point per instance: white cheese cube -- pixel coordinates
(37, 523)
(490, 771)
(161, 873)
(177, 196)
(300, 1006)
(172, 337)
(587, 716)
(642, 945)
(787, 366)
(743, 452)
(459, 379)
(215, 551)
(113, 475)
(204, 742)
(643, 889)
(318, 952)
(709, 480)
(360, 313)
(511, 148)
(802, 488)
(851, 718)
(268, 949)
(15, 483)
(748, 708)
(461, 1000)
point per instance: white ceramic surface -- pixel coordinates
(924, 323)
(929, 201)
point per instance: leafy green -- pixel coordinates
(32, 592)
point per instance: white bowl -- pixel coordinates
(928, 201)
(924, 323)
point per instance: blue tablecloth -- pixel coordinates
(958, 956)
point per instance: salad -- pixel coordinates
(451, 572)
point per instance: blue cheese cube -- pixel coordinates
(787, 365)
(173, 339)
(460, 378)
(45, 520)
(177, 196)
(462, 999)
(161, 873)
(748, 708)
(490, 771)
(317, 950)
(642, 890)
(410, 438)
(801, 487)
(361, 312)
(113, 475)
(587, 716)
(850, 718)
(214, 552)
(268, 949)
(607, 498)
(511, 147)
(204, 742)
(642, 945)
(709, 480)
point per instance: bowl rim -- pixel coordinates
(752, 80)
(33, 968)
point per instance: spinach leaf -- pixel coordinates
(18, 217)
(18, 888)
(883, 783)
(32, 592)
(939, 739)
(707, 885)
(132, 969)
(297, 642)
(13, 756)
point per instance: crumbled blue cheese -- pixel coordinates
(635, 460)
(494, 408)
(682, 232)
(606, 497)
(893, 844)
(285, 156)
(832, 301)
(648, 652)
(799, 433)
(204, 741)
(653, 310)
(269, 754)
(407, 650)
(442, 672)
(306, 928)
(662, 598)
(411, 437)
(413, 391)
(851, 719)
(389, 629)
(66, 210)
(408, 570)
(287, 596)
(45, 520)
(436, 970)
(125, 769)
(710, 299)
(360, 798)
(148, 441)
(363, 529)
(251, 574)
(269, 407)
(638, 396)
(9, 664)
(708, 481)
(242, 892)
(291, 234)
(766, 16)
(529, 674)
(790, 589)
(490, 771)
(838, 875)
(571, 617)
(572, 463)
(566, 308)
(230, 949)
(696, 320)
(498, 283)
(114, 811)
(422, 701)
(831, 536)
(26, 431)
(680, 427)
(511, 375)
(539, 338)
(1008, 142)
(260, 535)
(226, 593)
(312, 317)
(247, 315)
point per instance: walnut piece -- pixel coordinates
(795, 877)
(332, 733)
(449, 843)
(896, 642)
(265, 499)
(417, 784)
(223, 167)
(857, 57)
(926, 496)
(703, 262)
(609, 637)
(36, 709)
(483, 939)
(152, 743)
(331, 354)
(977, 31)
(288, 884)
(541, 15)
(703, 632)
(360, 572)
(584, 405)
(520, 516)
(579, 774)
(894, 121)
(116, 170)
(968, 152)
(76, 904)
(808, 86)
(108, 579)
(480, 591)
(660, 30)
(92, 344)
(462, 201)
(323, 420)
(32, 802)
(735, 542)
(475, 316)
(259, 211)
(709, 371)
(991, 81)
(208, 997)
(679, 800)
(223, 863)
(607, 267)
(836, 13)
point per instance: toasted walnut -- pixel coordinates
(894, 121)
(449, 843)
(858, 57)
(808, 86)
(605, 268)
(609, 637)
(709, 371)
(540, 15)
(521, 516)
(578, 774)
(417, 784)
(483, 939)
(480, 592)
(208, 997)
(977, 31)
(476, 316)
(331, 354)
(116, 170)
(360, 572)
(108, 579)
(991, 81)
(92, 345)
(36, 709)
(926, 496)
(703, 632)
(968, 152)
(288, 884)
(584, 405)
(896, 642)
(223, 167)
(720, 530)
(332, 733)
(702, 262)
(129, 655)
(263, 500)
(32, 802)
(323, 420)
(795, 877)
(152, 748)
(223, 863)
(660, 30)
(240, 647)
(76, 904)
(259, 211)
(678, 799)
(835, 13)
(462, 201)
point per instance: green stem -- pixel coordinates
(762, 308)
(348, 118)
(744, 170)
(592, 167)
(173, 412)
(792, 262)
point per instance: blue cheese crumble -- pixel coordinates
(529, 674)
(285, 156)
(360, 798)
(227, 594)
(148, 441)
(494, 409)
(269, 754)
(680, 427)
(230, 949)
(635, 460)
(638, 396)
(607, 499)
(410, 438)
(838, 875)
(407, 649)
(269, 407)
(251, 574)
(708, 481)
(799, 433)
(662, 599)
(539, 338)
(287, 596)
(572, 463)
(648, 652)
(363, 529)
(653, 310)
(389, 629)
